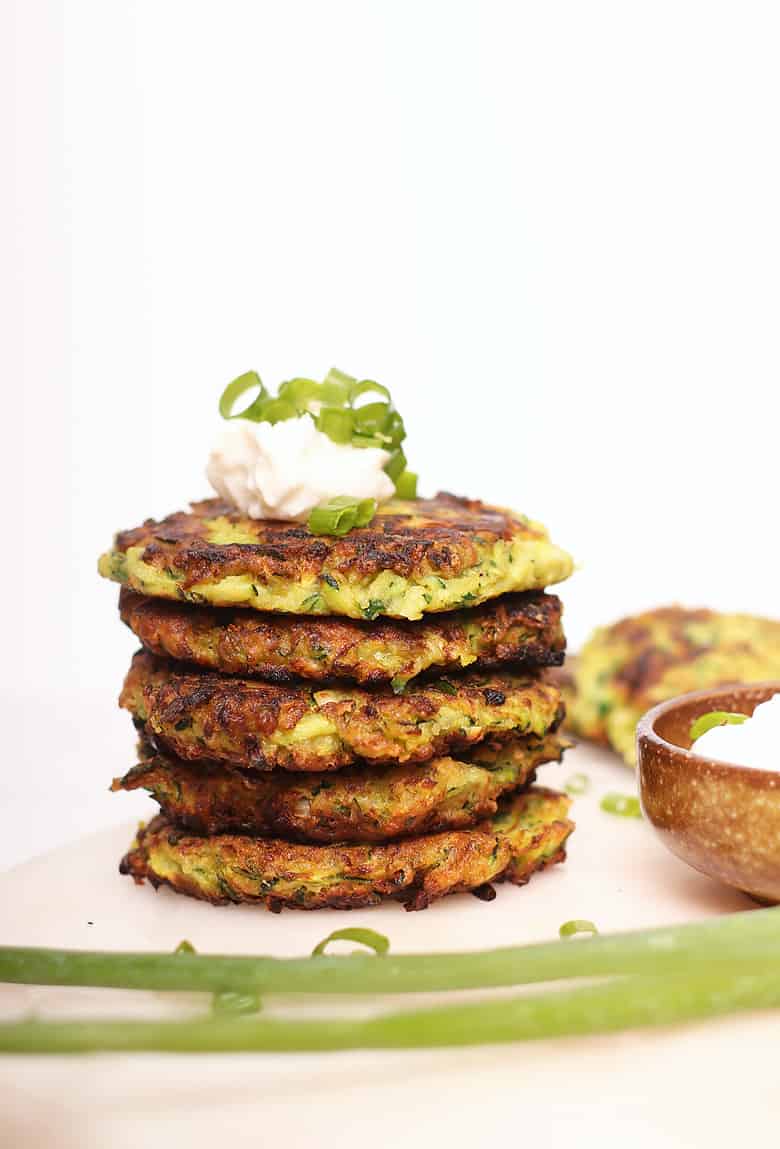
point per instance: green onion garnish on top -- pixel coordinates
(406, 485)
(624, 805)
(346, 409)
(341, 515)
(369, 938)
(715, 718)
(577, 926)
(577, 784)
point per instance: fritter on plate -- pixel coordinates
(522, 628)
(247, 722)
(626, 668)
(528, 832)
(414, 557)
(357, 804)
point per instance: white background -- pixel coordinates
(551, 228)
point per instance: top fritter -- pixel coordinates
(415, 557)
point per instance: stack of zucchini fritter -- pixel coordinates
(331, 721)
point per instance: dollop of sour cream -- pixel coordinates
(755, 742)
(284, 470)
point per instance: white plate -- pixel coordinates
(681, 1087)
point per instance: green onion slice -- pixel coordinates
(233, 1003)
(577, 784)
(624, 805)
(301, 392)
(369, 938)
(577, 926)
(338, 423)
(339, 385)
(394, 428)
(368, 387)
(274, 411)
(406, 485)
(715, 718)
(366, 509)
(340, 515)
(235, 390)
(185, 947)
(372, 419)
(396, 465)
(370, 441)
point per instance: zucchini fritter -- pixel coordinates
(358, 804)
(527, 833)
(625, 669)
(247, 722)
(414, 557)
(521, 628)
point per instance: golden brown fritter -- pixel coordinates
(246, 722)
(358, 804)
(521, 628)
(625, 669)
(528, 832)
(415, 557)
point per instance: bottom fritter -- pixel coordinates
(527, 833)
(363, 803)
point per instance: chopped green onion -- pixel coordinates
(185, 947)
(366, 509)
(394, 429)
(625, 805)
(230, 1002)
(715, 718)
(369, 938)
(235, 390)
(340, 515)
(406, 485)
(275, 411)
(370, 441)
(396, 465)
(336, 378)
(333, 405)
(301, 392)
(372, 420)
(577, 926)
(368, 387)
(337, 423)
(577, 784)
(444, 686)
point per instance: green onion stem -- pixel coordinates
(629, 1003)
(749, 937)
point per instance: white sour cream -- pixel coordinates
(755, 742)
(284, 470)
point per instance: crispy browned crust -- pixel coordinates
(524, 629)
(416, 871)
(246, 722)
(361, 803)
(440, 539)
